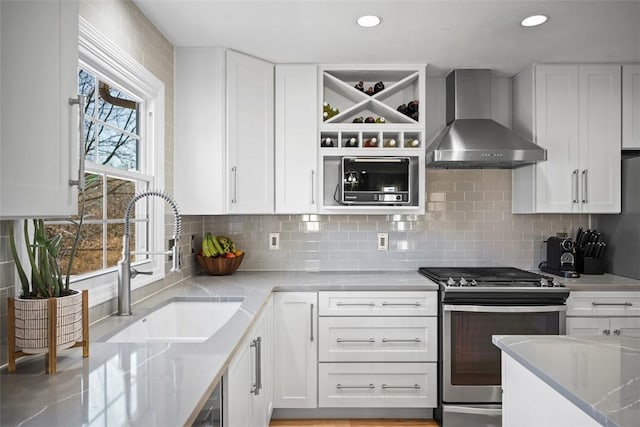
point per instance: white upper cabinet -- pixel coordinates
(224, 150)
(39, 151)
(250, 153)
(631, 106)
(296, 132)
(574, 112)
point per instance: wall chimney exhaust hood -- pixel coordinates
(471, 139)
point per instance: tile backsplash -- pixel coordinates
(468, 222)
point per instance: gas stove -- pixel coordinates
(496, 285)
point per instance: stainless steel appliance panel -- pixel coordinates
(472, 415)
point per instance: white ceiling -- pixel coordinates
(443, 34)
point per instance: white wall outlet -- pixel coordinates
(274, 241)
(383, 241)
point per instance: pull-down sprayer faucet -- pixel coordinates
(125, 272)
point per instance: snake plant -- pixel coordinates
(47, 279)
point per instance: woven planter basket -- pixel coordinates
(32, 321)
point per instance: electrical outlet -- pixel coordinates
(171, 243)
(193, 243)
(274, 241)
(383, 241)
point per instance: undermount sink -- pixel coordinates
(186, 321)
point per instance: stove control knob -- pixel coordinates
(463, 282)
(544, 283)
(451, 282)
(474, 283)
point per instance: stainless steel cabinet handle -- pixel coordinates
(311, 322)
(340, 386)
(257, 385)
(415, 386)
(584, 186)
(574, 190)
(413, 304)
(616, 332)
(355, 304)
(234, 171)
(606, 332)
(367, 340)
(623, 304)
(313, 181)
(80, 101)
(409, 340)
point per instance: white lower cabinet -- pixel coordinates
(249, 392)
(296, 361)
(377, 349)
(377, 385)
(603, 313)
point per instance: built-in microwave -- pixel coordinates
(376, 180)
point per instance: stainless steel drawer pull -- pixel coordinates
(355, 304)
(340, 386)
(621, 304)
(413, 304)
(415, 386)
(409, 340)
(343, 340)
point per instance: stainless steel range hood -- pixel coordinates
(471, 139)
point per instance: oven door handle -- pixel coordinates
(473, 410)
(505, 309)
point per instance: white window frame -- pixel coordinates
(100, 55)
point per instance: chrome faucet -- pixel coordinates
(125, 272)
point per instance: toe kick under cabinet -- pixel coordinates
(377, 349)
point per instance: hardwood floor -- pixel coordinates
(353, 423)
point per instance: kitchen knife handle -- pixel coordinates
(574, 189)
(80, 101)
(584, 186)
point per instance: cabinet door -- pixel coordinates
(250, 134)
(39, 127)
(295, 368)
(588, 326)
(631, 107)
(240, 380)
(265, 406)
(600, 117)
(626, 326)
(200, 173)
(296, 129)
(556, 94)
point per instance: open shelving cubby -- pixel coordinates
(399, 134)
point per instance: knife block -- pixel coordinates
(589, 265)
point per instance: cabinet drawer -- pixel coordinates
(377, 339)
(383, 303)
(379, 385)
(603, 304)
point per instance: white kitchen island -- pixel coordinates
(570, 381)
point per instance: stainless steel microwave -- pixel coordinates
(376, 180)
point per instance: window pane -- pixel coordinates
(90, 143)
(89, 252)
(93, 197)
(87, 86)
(119, 194)
(117, 109)
(117, 149)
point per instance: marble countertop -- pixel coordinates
(160, 383)
(599, 374)
(600, 282)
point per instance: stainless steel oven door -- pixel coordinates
(471, 363)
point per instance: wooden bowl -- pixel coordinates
(219, 266)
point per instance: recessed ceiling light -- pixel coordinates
(368, 21)
(534, 20)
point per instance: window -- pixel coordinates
(124, 155)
